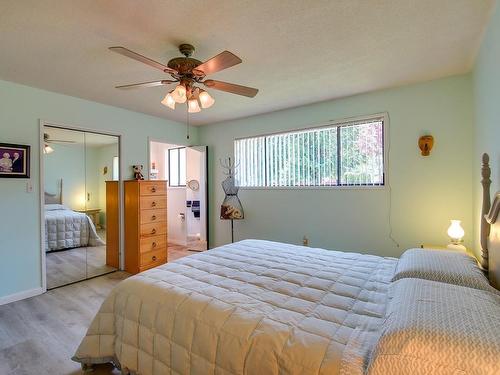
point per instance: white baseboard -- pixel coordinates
(21, 295)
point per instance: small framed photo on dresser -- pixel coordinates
(14, 161)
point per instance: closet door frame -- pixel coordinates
(55, 124)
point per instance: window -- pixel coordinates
(177, 166)
(342, 154)
(116, 168)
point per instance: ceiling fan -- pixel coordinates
(46, 138)
(188, 72)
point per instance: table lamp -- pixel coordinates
(456, 234)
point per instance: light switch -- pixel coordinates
(29, 187)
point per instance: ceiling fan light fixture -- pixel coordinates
(169, 101)
(193, 106)
(47, 149)
(206, 100)
(179, 94)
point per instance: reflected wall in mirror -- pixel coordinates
(81, 173)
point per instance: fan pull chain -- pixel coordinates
(187, 123)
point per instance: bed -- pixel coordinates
(261, 307)
(65, 228)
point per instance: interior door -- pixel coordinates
(197, 198)
(102, 194)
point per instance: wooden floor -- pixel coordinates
(67, 266)
(39, 335)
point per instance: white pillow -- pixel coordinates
(55, 207)
(438, 328)
(446, 266)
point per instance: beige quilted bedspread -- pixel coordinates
(253, 307)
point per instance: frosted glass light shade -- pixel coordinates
(169, 101)
(206, 100)
(193, 106)
(456, 232)
(179, 94)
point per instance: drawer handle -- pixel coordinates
(153, 204)
(153, 245)
(153, 217)
(153, 258)
(153, 231)
(153, 189)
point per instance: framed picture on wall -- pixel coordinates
(14, 161)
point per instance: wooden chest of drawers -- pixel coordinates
(145, 225)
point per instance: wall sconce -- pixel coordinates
(425, 144)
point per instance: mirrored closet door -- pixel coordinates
(81, 183)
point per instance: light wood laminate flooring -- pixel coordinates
(39, 335)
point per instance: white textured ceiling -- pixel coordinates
(296, 52)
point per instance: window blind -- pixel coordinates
(347, 154)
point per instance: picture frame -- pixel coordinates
(14, 160)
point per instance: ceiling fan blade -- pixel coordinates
(146, 60)
(231, 87)
(145, 84)
(217, 63)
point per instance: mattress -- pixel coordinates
(65, 229)
(254, 307)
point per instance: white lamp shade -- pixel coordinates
(206, 100)
(179, 94)
(193, 106)
(455, 231)
(47, 149)
(169, 101)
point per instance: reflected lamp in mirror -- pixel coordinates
(47, 149)
(456, 234)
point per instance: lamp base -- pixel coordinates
(456, 247)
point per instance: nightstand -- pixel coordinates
(93, 213)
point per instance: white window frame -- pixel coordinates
(178, 165)
(332, 123)
(116, 169)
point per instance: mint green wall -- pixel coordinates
(21, 107)
(426, 191)
(486, 84)
(67, 162)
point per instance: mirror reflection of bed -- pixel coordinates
(81, 205)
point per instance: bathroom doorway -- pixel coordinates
(185, 170)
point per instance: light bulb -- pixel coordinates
(179, 94)
(206, 100)
(169, 101)
(455, 231)
(47, 149)
(193, 106)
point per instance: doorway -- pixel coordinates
(185, 170)
(81, 204)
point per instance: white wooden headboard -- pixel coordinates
(490, 227)
(55, 198)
